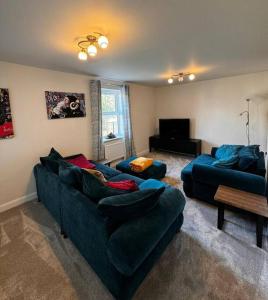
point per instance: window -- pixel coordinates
(111, 111)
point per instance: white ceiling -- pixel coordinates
(149, 39)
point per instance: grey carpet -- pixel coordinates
(200, 263)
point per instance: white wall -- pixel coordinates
(214, 106)
(35, 134)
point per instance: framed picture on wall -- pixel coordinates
(62, 105)
(6, 125)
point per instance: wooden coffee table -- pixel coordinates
(249, 202)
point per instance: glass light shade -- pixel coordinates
(191, 77)
(170, 80)
(180, 78)
(82, 55)
(92, 50)
(103, 41)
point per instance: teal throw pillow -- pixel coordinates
(227, 151)
(226, 163)
(135, 204)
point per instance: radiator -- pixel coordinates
(115, 149)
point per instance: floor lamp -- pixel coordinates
(247, 113)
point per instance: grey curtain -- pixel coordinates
(96, 120)
(126, 114)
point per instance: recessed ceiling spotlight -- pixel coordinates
(90, 45)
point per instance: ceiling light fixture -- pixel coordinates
(90, 44)
(180, 77)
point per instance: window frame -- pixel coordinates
(118, 109)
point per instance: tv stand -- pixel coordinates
(183, 146)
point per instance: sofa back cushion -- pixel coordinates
(227, 163)
(125, 207)
(71, 175)
(51, 162)
(227, 151)
(248, 158)
(96, 189)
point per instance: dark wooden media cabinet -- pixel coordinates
(183, 146)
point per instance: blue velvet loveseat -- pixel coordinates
(201, 178)
(121, 258)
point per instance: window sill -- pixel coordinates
(105, 140)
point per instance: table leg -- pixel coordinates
(259, 230)
(220, 215)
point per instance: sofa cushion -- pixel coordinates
(51, 162)
(129, 185)
(152, 184)
(133, 241)
(227, 151)
(81, 162)
(71, 175)
(213, 177)
(106, 171)
(123, 176)
(203, 159)
(132, 205)
(227, 163)
(248, 157)
(98, 174)
(95, 189)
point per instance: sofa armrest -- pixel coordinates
(213, 151)
(134, 240)
(82, 221)
(261, 170)
(214, 176)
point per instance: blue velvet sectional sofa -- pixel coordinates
(201, 178)
(121, 258)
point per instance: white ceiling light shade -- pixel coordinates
(92, 50)
(191, 77)
(103, 42)
(170, 80)
(82, 55)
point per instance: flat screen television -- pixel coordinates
(174, 128)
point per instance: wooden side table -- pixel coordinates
(249, 202)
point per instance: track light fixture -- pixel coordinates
(180, 77)
(90, 44)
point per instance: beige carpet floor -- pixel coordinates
(200, 263)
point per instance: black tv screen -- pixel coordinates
(174, 128)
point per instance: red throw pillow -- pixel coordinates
(126, 185)
(81, 162)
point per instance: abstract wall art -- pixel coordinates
(6, 125)
(62, 105)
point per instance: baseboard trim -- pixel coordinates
(143, 152)
(18, 201)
